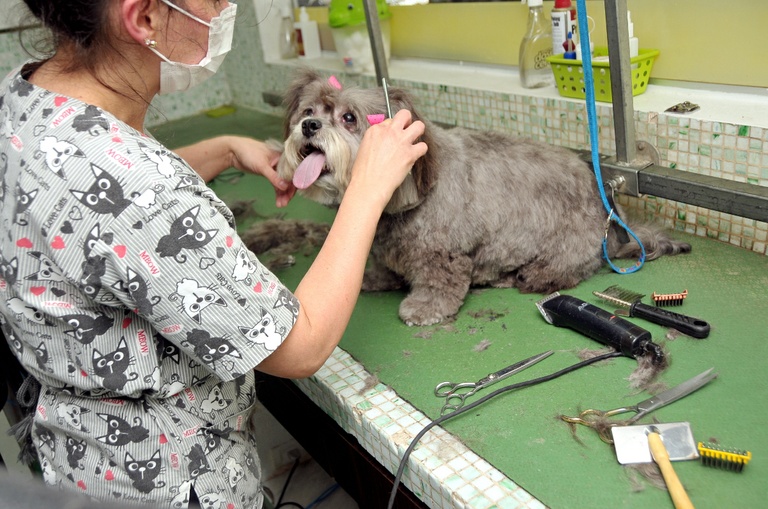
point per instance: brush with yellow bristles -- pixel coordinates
(727, 459)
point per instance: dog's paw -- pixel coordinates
(419, 322)
(427, 310)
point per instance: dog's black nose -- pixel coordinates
(310, 126)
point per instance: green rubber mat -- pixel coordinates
(519, 432)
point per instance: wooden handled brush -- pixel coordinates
(674, 486)
(630, 300)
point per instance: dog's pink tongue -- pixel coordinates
(309, 170)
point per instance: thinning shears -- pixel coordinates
(456, 393)
(599, 419)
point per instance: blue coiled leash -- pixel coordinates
(589, 86)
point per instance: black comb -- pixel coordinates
(631, 300)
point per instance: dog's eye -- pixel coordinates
(349, 118)
(307, 112)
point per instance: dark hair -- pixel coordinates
(81, 22)
(83, 27)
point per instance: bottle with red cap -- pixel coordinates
(563, 23)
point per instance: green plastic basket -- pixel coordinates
(569, 74)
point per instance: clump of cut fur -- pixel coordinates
(649, 472)
(590, 353)
(647, 372)
(281, 239)
(284, 235)
(644, 376)
(482, 346)
(371, 381)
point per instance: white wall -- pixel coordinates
(13, 12)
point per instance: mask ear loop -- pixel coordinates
(186, 13)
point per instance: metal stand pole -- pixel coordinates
(621, 79)
(377, 42)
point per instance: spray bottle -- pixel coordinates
(535, 71)
(563, 21)
(287, 36)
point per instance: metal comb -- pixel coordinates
(669, 299)
(630, 300)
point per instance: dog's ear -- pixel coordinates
(303, 77)
(425, 170)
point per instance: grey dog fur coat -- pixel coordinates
(479, 209)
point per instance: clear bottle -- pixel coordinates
(535, 71)
(288, 47)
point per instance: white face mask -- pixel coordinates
(177, 76)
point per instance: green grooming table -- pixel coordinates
(519, 432)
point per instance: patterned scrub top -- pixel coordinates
(126, 291)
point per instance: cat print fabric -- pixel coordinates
(126, 291)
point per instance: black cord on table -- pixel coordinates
(520, 385)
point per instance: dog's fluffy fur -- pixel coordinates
(480, 209)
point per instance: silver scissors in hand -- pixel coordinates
(456, 393)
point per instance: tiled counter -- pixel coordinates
(441, 471)
(513, 451)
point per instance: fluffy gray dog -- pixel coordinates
(480, 209)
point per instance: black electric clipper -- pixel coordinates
(600, 325)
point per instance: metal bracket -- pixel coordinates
(736, 198)
(625, 175)
(645, 155)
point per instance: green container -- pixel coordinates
(346, 13)
(569, 74)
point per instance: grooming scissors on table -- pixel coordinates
(597, 419)
(456, 393)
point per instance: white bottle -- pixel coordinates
(307, 36)
(634, 46)
(561, 25)
(287, 34)
(535, 71)
(578, 47)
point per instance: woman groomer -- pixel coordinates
(126, 291)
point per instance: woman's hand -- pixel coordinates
(386, 155)
(253, 156)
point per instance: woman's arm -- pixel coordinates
(329, 290)
(212, 156)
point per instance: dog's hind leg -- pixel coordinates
(439, 282)
(378, 278)
(547, 276)
(656, 242)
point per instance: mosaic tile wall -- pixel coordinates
(734, 152)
